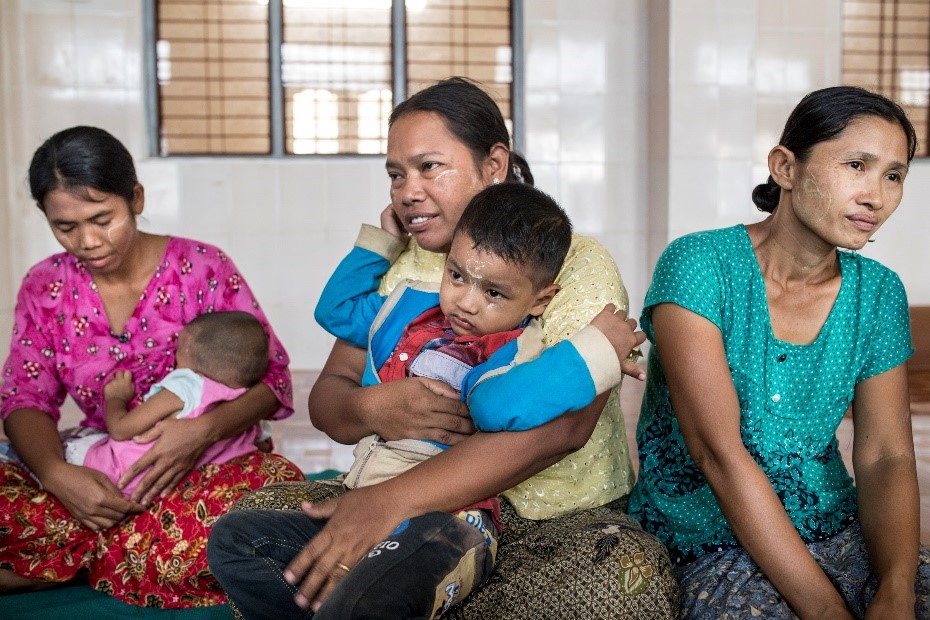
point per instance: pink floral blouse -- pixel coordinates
(62, 342)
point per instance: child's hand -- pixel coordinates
(622, 334)
(120, 387)
(391, 224)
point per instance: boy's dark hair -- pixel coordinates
(229, 347)
(522, 225)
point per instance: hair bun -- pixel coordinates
(766, 195)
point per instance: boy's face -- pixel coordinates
(481, 293)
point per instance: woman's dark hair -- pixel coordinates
(521, 169)
(82, 158)
(822, 115)
(521, 225)
(470, 114)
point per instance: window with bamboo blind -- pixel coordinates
(886, 49)
(230, 74)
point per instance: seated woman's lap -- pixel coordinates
(595, 563)
(729, 584)
(154, 559)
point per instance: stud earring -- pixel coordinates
(496, 181)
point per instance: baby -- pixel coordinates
(219, 357)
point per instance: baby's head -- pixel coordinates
(508, 248)
(228, 347)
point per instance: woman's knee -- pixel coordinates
(244, 535)
(230, 540)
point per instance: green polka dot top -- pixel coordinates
(792, 397)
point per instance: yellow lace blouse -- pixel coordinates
(601, 471)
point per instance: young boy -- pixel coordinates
(476, 331)
(219, 356)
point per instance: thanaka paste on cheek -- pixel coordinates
(119, 224)
(812, 187)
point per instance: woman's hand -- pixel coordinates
(357, 521)
(178, 446)
(892, 601)
(391, 224)
(417, 407)
(90, 496)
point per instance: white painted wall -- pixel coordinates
(647, 119)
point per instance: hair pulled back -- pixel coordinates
(821, 116)
(81, 158)
(471, 115)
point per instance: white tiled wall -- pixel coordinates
(737, 69)
(647, 119)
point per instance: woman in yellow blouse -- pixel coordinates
(570, 550)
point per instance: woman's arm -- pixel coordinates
(87, 494)
(494, 462)
(415, 407)
(573, 372)
(180, 443)
(886, 482)
(705, 402)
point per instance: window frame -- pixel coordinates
(885, 80)
(275, 40)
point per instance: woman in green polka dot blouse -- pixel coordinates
(764, 337)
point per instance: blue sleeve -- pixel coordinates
(350, 300)
(527, 395)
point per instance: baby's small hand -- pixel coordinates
(622, 334)
(120, 387)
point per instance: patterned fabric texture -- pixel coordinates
(155, 559)
(728, 585)
(590, 564)
(63, 344)
(791, 397)
(601, 471)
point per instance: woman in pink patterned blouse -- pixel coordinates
(116, 300)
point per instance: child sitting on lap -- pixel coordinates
(219, 356)
(477, 332)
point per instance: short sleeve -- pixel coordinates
(588, 281)
(689, 275)
(30, 377)
(183, 383)
(890, 338)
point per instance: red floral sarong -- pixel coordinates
(155, 559)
